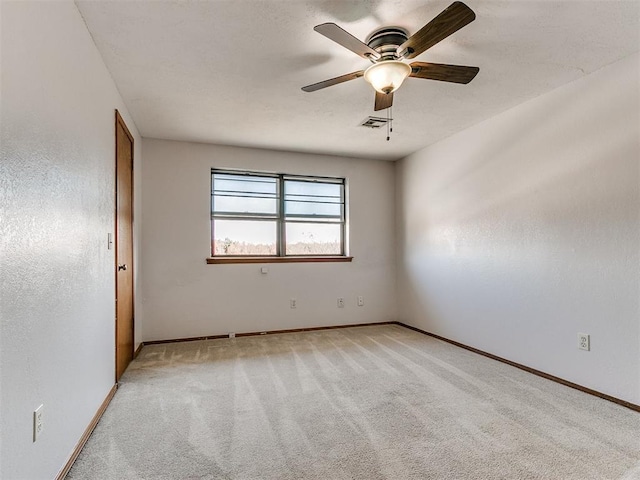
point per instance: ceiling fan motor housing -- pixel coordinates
(386, 41)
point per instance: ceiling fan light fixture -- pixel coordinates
(387, 76)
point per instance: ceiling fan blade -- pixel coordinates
(344, 38)
(383, 100)
(333, 81)
(450, 20)
(442, 72)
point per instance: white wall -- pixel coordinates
(185, 297)
(56, 208)
(522, 231)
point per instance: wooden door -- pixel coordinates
(124, 246)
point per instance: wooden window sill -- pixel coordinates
(291, 259)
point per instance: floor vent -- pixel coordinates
(374, 122)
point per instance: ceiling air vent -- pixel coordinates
(374, 122)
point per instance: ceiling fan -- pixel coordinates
(387, 47)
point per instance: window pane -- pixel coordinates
(244, 194)
(313, 239)
(242, 183)
(244, 237)
(313, 199)
(293, 187)
(308, 209)
(245, 205)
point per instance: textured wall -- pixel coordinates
(524, 230)
(57, 207)
(184, 297)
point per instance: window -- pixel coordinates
(275, 215)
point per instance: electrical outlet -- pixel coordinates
(232, 335)
(340, 302)
(584, 341)
(360, 301)
(293, 303)
(37, 422)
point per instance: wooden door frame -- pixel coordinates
(120, 122)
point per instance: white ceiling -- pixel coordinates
(230, 72)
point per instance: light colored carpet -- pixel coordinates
(380, 402)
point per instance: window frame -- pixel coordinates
(280, 217)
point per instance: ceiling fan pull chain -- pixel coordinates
(388, 125)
